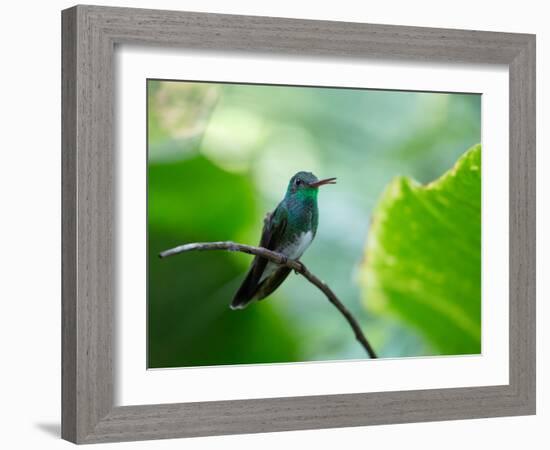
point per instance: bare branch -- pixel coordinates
(282, 260)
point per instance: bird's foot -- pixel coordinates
(285, 261)
(301, 267)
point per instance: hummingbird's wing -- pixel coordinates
(274, 228)
(272, 282)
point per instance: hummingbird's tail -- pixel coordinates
(254, 289)
(246, 292)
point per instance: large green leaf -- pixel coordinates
(423, 256)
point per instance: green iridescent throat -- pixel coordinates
(302, 210)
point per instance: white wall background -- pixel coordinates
(30, 223)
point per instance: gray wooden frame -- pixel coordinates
(90, 34)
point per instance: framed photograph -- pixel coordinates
(278, 224)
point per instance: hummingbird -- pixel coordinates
(288, 230)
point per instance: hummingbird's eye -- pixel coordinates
(299, 182)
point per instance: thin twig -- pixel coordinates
(282, 260)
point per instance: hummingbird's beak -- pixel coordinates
(322, 182)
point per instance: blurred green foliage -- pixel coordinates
(423, 260)
(188, 324)
(219, 158)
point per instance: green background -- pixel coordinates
(220, 156)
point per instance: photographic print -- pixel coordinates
(376, 194)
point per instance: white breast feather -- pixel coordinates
(293, 251)
(299, 246)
